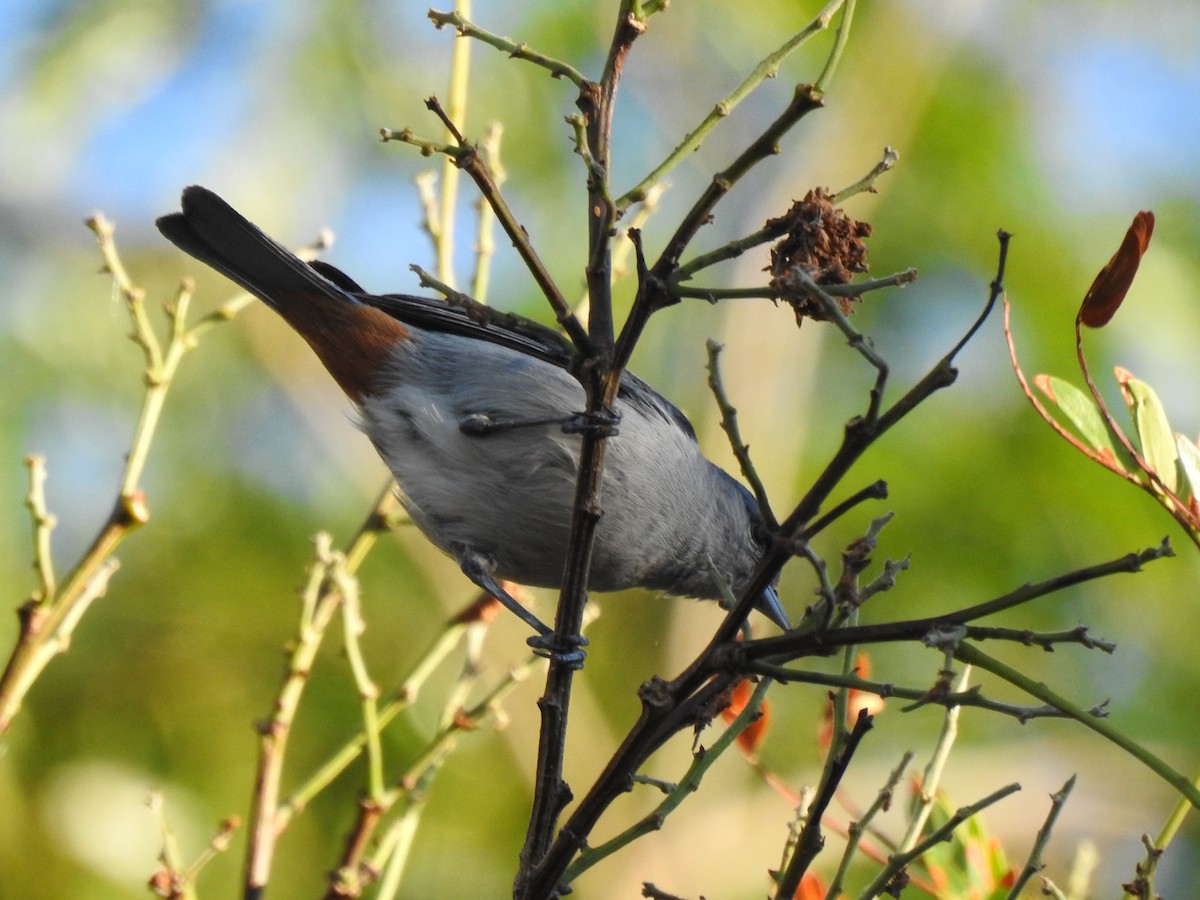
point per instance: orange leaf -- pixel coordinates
(855, 702)
(811, 888)
(1107, 292)
(756, 732)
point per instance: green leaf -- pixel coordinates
(1082, 412)
(1189, 468)
(1154, 431)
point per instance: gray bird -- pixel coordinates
(473, 412)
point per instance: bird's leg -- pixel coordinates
(483, 425)
(566, 649)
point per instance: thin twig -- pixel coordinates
(866, 184)
(425, 182)
(932, 777)
(886, 690)
(467, 157)
(677, 793)
(811, 841)
(794, 645)
(832, 311)
(767, 68)
(729, 423)
(42, 523)
(839, 44)
(1033, 864)
(456, 114)
(876, 490)
(898, 862)
(1167, 833)
(466, 28)
(485, 243)
(319, 604)
(1047, 640)
(768, 292)
(968, 653)
(882, 801)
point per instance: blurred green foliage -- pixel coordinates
(170, 670)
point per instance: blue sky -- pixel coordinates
(1114, 105)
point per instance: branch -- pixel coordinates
(467, 157)
(42, 523)
(1034, 863)
(599, 373)
(49, 618)
(729, 423)
(768, 292)
(883, 801)
(898, 862)
(832, 312)
(839, 44)
(972, 655)
(795, 644)
(1046, 640)
(811, 840)
(668, 707)
(702, 761)
(860, 434)
(866, 184)
(767, 68)
(931, 778)
(971, 697)
(319, 603)
(322, 595)
(465, 28)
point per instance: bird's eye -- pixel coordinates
(760, 534)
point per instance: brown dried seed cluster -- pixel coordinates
(821, 241)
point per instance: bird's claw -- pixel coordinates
(602, 423)
(565, 649)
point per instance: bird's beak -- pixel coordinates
(768, 604)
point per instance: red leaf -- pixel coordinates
(1107, 292)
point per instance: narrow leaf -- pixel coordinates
(1081, 411)
(1154, 431)
(1107, 292)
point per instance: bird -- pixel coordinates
(475, 412)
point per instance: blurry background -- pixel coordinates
(1054, 120)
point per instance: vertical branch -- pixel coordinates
(330, 574)
(42, 523)
(49, 618)
(460, 70)
(319, 605)
(931, 778)
(596, 101)
(810, 841)
(485, 242)
(600, 380)
(839, 44)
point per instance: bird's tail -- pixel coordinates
(215, 233)
(352, 338)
